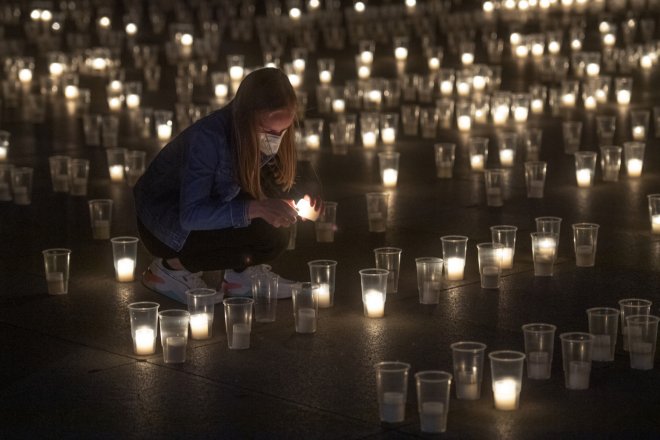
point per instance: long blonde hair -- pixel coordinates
(263, 90)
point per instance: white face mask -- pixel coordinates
(269, 143)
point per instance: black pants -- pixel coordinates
(231, 248)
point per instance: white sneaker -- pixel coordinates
(172, 283)
(240, 283)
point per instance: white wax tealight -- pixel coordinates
(584, 255)
(114, 103)
(538, 365)
(221, 90)
(446, 87)
(338, 105)
(99, 64)
(393, 407)
(505, 392)
(125, 269)
(116, 173)
(71, 92)
(55, 69)
(144, 342)
(325, 77)
(464, 123)
(388, 135)
(490, 277)
(478, 83)
(240, 338)
(369, 139)
(568, 100)
(494, 196)
(366, 56)
(537, 106)
(324, 296)
(578, 375)
(174, 349)
(132, 101)
(546, 249)
(467, 58)
(467, 385)
(641, 355)
(401, 53)
(236, 73)
(364, 72)
(390, 176)
(520, 114)
(590, 102)
(306, 320)
(433, 63)
(3, 152)
(432, 417)
(477, 162)
(655, 223)
(634, 167)
(306, 211)
(199, 326)
(592, 69)
(374, 304)
(25, 75)
(506, 157)
(639, 133)
(55, 282)
(313, 141)
(164, 132)
(583, 177)
(454, 268)
(21, 195)
(462, 88)
(501, 114)
(623, 97)
(536, 189)
(507, 258)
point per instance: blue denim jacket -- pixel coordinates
(190, 185)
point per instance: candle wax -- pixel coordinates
(432, 417)
(125, 268)
(454, 267)
(505, 392)
(390, 176)
(393, 407)
(578, 375)
(174, 349)
(56, 285)
(199, 326)
(144, 341)
(240, 337)
(324, 295)
(306, 320)
(374, 304)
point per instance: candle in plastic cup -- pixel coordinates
(306, 211)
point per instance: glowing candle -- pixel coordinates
(338, 105)
(537, 106)
(125, 269)
(464, 123)
(116, 173)
(501, 114)
(145, 339)
(520, 114)
(568, 100)
(114, 103)
(294, 79)
(71, 92)
(305, 210)
(506, 157)
(590, 102)
(325, 77)
(401, 53)
(299, 66)
(313, 141)
(367, 57)
(623, 97)
(655, 223)
(374, 304)
(546, 249)
(388, 135)
(221, 90)
(583, 177)
(507, 258)
(639, 133)
(390, 176)
(505, 392)
(554, 47)
(477, 162)
(646, 62)
(236, 73)
(446, 87)
(634, 167)
(478, 83)
(324, 295)
(455, 267)
(463, 88)
(25, 75)
(99, 64)
(369, 139)
(3, 152)
(199, 326)
(467, 58)
(434, 63)
(164, 132)
(132, 101)
(56, 69)
(592, 69)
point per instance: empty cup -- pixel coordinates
(494, 179)
(377, 204)
(265, 286)
(585, 237)
(79, 172)
(445, 154)
(325, 224)
(389, 258)
(535, 179)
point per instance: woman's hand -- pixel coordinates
(277, 212)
